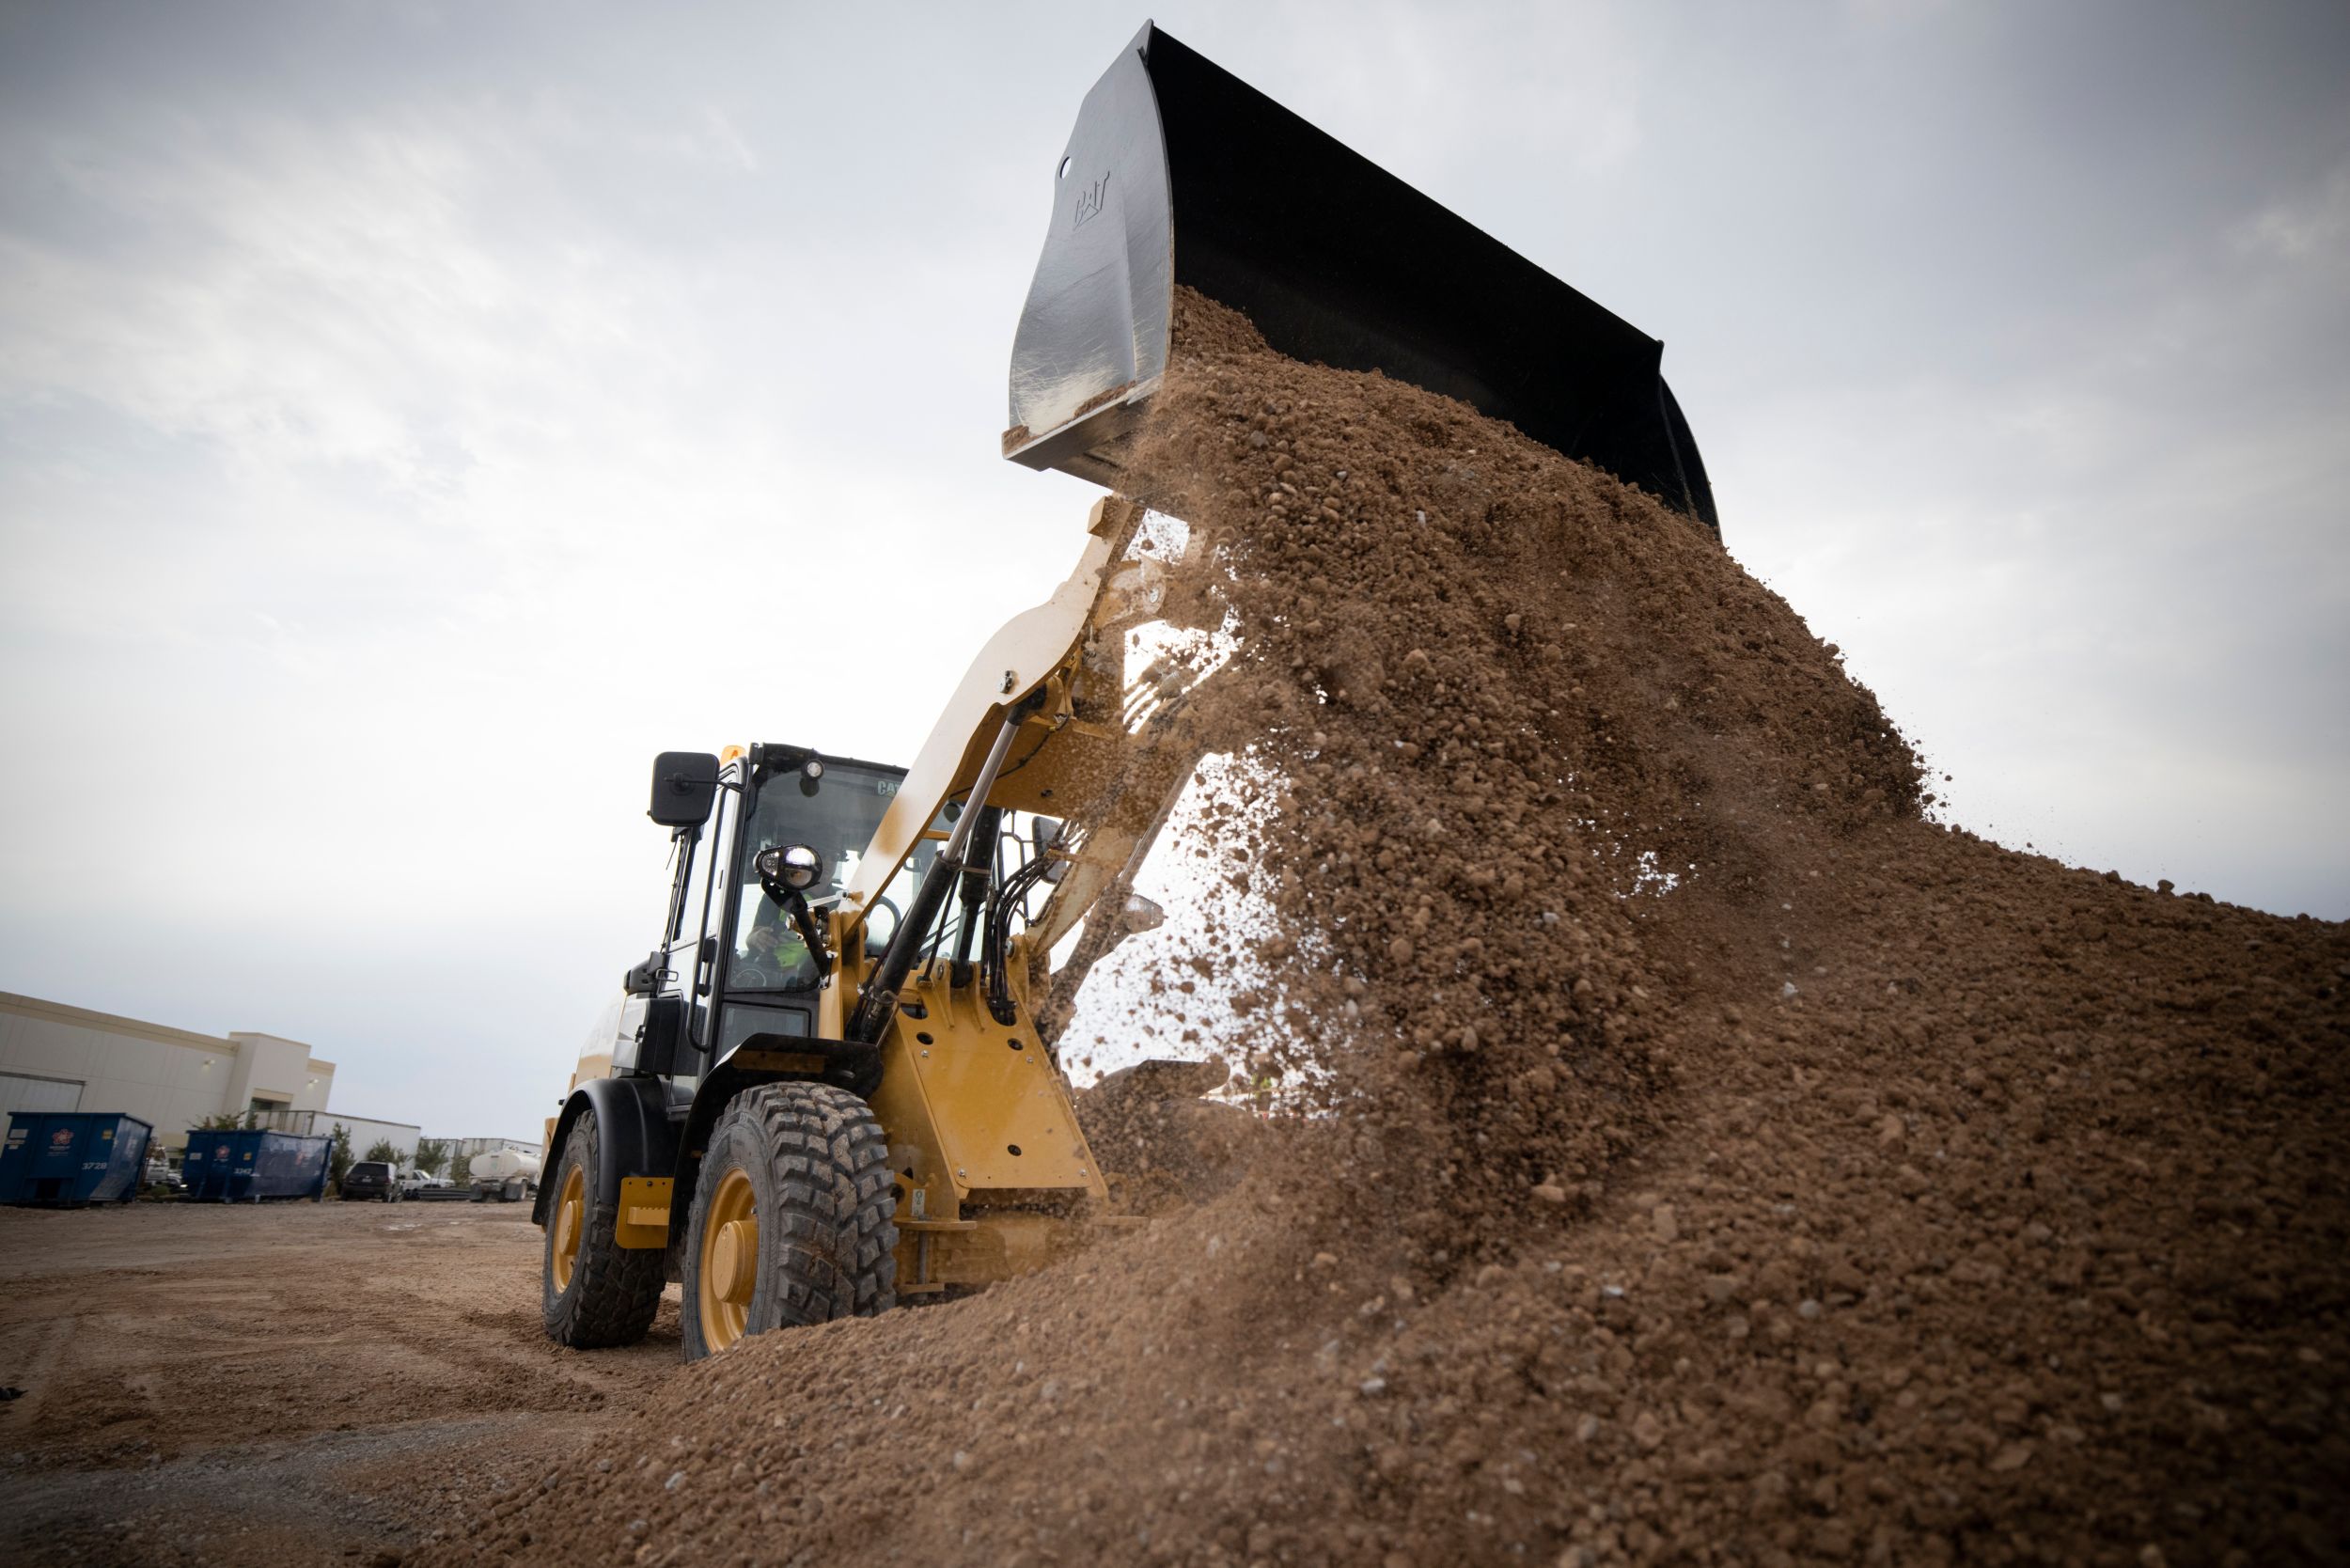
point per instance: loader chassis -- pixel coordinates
(915, 1005)
(984, 1144)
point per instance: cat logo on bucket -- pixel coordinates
(60, 1139)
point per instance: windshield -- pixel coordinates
(835, 816)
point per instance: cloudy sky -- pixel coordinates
(412, 416)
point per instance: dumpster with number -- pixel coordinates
(245, 1165)
(67, 1159)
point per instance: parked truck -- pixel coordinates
(506, 1175)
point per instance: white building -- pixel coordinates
(55, 1058)
(366, 1132)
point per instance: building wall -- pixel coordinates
(276, 1073)
(22, 1091)
(169, 1078)
(363, 1130)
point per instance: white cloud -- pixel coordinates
(2315, 226)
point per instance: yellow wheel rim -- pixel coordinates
(729, 1274)
(570, 1221)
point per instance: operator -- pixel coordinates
(774, 944)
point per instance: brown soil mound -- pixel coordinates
(1713, 1160)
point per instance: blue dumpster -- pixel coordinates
(65, 1159)
(241, 1165)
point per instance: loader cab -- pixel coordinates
(730, 966)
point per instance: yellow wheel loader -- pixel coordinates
(827, 1090)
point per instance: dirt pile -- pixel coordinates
(1721, 1163)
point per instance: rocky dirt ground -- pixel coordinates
(292, 1384)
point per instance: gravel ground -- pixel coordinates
(293, 1383)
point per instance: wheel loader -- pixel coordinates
(832, 1085)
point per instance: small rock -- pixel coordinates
(677, 1479)
(961, 1461)
(1551, 1192)
(1667, 1223)
(1646, 1430)
(2012, 1458)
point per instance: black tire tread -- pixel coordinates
(835, 1217)
(616, 1289)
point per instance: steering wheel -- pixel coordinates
(896, 920)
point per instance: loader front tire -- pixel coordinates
(792, 1220)
(594, 1293)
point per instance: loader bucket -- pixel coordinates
(1178, 172)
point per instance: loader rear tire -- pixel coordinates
(793, 1218)
(594, 1293)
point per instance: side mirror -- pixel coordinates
(793, 866)
(685, 787)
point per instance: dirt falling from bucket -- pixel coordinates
(1691, 1153)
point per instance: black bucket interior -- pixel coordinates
(1181, 173)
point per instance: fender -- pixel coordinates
(634, 1138)
(762, 1060)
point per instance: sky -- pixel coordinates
(414, 417)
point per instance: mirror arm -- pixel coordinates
(795, 903)
(805, 918)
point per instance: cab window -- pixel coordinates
(835, 813)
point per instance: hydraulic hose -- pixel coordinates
(880, 997)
